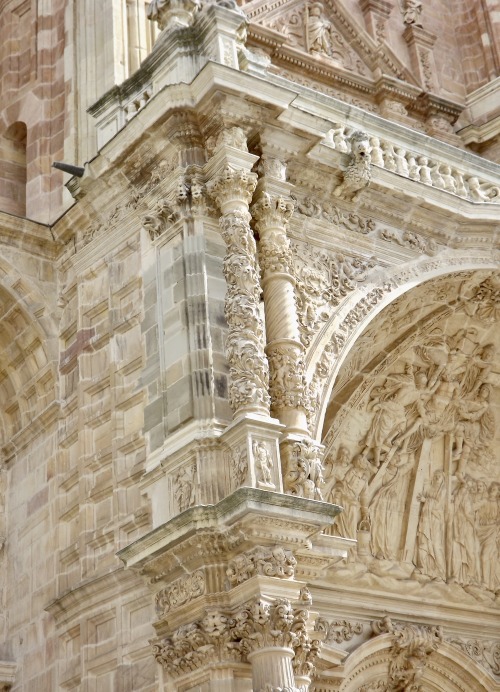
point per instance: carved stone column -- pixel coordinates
(290, 398)
(232, 185)
(272, 212)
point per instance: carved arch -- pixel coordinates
(28, 351)
(339, 334)
(448, 669)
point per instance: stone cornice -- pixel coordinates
(28, 236)
(242, 504)
(312, 115)
(91, 593)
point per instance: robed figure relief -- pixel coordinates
(422, 479)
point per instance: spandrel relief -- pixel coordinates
(415, 459)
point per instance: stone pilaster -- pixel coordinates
(232, 185)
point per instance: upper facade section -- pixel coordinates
(432, 67)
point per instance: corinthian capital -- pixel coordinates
(232, 186)
(272, 211)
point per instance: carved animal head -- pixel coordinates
(360, 145)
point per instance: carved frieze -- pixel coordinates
(179, 593)
(484, 652)
(272, 562)
(338, 631)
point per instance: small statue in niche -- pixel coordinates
(318, 30)
(184, 487)
(411, 13)
(263, 463)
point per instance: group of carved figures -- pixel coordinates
(442, 400)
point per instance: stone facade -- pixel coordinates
(250, 372)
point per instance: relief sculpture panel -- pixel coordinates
(412, 454)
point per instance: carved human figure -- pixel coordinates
(488, 530)
(386, 507)
(465, 552)
(476, 426)
(337, 469)
(350, 494)
(478, 369)
(430, 555)
(318, 30)
(399, 391)
(184, 487)
(263, 462)
(411, 12)
(439, 413)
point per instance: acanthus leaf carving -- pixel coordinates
(271, 562)
(322, 281)
(233, 635)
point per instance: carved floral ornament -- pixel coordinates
(227, 636)
(434, 522)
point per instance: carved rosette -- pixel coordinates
(302, 468)
(232, 190)
(273, 637)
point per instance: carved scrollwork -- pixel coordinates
(322, 281)
(338, 631)
(484, 652)
(272, 562)
(180, 592)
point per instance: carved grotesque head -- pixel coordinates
(360, 145)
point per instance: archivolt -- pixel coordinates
(339, 335)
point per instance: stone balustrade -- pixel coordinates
(418, 167)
